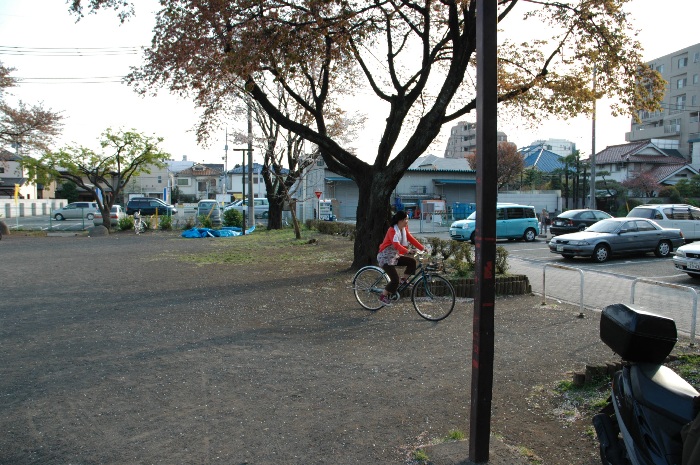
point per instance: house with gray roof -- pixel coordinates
(626, 161)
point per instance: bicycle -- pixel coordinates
(432, 295)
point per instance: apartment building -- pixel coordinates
(462, 140)
(679, 118)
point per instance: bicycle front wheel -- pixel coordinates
(368, 285)
(433, 297)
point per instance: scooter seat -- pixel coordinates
(661, 389)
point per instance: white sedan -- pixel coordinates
(115, 214)
(687, 259)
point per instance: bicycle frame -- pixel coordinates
(420, 273)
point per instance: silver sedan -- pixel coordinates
(687, 259)
(618, 236)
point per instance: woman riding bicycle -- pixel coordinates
(393, 252)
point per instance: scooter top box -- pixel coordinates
(636, 335)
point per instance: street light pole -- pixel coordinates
(243, 173)
(592, 201)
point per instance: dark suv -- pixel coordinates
(149, 206)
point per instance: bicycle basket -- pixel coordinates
(433, 266)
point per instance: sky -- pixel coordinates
(74, 68)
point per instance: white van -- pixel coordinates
(211, 210)
(676, 215)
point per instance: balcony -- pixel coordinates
(642, 132)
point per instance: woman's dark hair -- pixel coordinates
(398, 216)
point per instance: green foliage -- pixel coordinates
(671, 193)
(126, 223)
(165, 222)
(190, 222)
(128, 154)
(332, 227)
(420, 456)
(205, 221)
(501, 260)
(69, 191)
(456, 435)
(688, 367)
(232, 217)
(684, 188)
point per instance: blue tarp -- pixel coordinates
(226, 231)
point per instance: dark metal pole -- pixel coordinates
(243, 192)
(486, 194)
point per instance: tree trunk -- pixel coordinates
(274, 214)
(373, 215)
(106, 220)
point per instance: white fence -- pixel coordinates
(11, 208)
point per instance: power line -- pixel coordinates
(68, 51)
(72, 80)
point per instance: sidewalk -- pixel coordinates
(566, 282)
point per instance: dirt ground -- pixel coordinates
(132, 349)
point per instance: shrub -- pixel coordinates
(190, 222)
(126, 223)
(332, 227)
(232, 217)
(166, 223)
(671, 193)
(501, 260)
(205, 221)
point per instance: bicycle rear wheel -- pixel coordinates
(368, 285)
(433, 297)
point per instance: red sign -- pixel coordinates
(318, 194)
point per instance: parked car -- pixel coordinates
(513, 221)
(617, 236)
(149, 206)
(116, 213)
(687, 259)
(210, 209)
(261, 206)
(576, 220)
(76, 210)
(676, 215)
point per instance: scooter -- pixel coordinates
(649, 403)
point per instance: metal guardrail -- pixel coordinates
(563, 267)
(694, 315)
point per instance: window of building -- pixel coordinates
(696, 57)
(160, 180)
(660, 68)
(682, 62)
(681, 83)
(695, 79)
(678, 105)
(694, 101)
(201, 186)
(182, 181)
(694, 117)
(2, 169)
(672, 126)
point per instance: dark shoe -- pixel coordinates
(385, 300)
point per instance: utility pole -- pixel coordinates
(225, 186)
(251, 207)
(592, 202)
